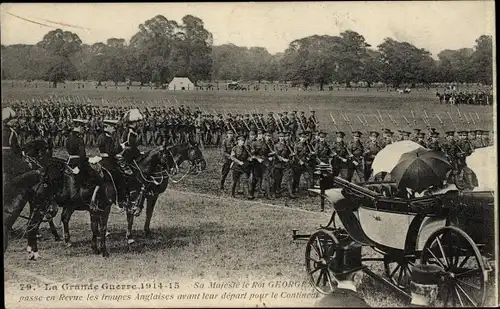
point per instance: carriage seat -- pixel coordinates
(387, 189)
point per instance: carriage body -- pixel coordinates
(402, 231)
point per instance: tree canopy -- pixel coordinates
(162, 49)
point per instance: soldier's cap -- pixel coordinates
(450, 133)
(386, 130)
(313, 111)
(302, 112)
(400, 131)
(472, 132)
(253, 131)
(270, 113)
(417, 130)
(260, 131)
(486, 132)
(110, 122)
(307, 132)
(219, 115)
(241, 137)
(340, 134)
(322, 134)
(406, 133)
(247, 115)
(432, 129)
(295, 111)
(463, 132)
(374, 133)
(281, 133)
(421, 134)
(435, 134)
(303, 133)
(479, 131)
(357, 133)
(229, 131)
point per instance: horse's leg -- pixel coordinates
(94, 226)
(53, 229)
(130, 224)
(65, 217)
(104, 228)
(33, 224)
(151, 202)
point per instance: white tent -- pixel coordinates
(181, 83)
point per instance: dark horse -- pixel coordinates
(157, 181)
(65, 191)
(24, 186)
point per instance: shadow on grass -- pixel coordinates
(162, 238)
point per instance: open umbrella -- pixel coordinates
(483, 163)
(388, 157)
(421, 168)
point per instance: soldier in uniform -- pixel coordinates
(355, 157)
(420, 140)
(485, 137)
(259, 151)
(465, 149)
(433, 143)
(11, 149)
(227, 146)
(109, 147)
(416, 132)
(322, 149)
(129, 144)
(340, 156)
(386, 138)
(477, 142)
(239, 156)
(372, 148)
(405, 135)
(302, 165)
(79, 163)
(271, 123)
(450, 149)
(312, 122)
(282, 170)
(268, 165)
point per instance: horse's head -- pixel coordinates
(39, 150)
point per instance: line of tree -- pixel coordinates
(162, 49)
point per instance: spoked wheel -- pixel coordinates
(398, 271)
(463, 278)
(320, 251)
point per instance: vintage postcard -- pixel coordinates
(274, 154)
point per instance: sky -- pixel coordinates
(434, 26)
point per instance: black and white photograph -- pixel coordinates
(249, 154)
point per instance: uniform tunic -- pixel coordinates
(131, 151)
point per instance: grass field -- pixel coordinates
(211, 235)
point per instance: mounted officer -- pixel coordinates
(11, 149)
(129, 144)
(109, 148)
(78, 161)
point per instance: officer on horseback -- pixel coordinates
(129, 138)
(79, 164)
(11, 149)
(109, 149)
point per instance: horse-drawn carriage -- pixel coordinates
(453, 231)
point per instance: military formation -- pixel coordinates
(471, 97)
(265, 155)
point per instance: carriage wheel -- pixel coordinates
(399, 271)
(463, 278)
(320, 251)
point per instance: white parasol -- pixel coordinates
(8, 113)
(388, 157)
(483, 162)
